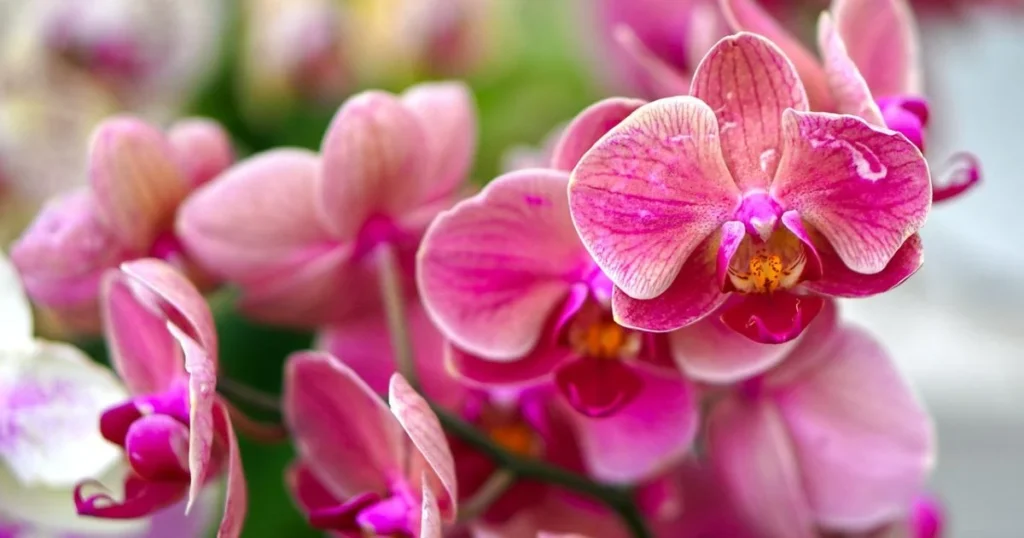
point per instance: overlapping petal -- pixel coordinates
(710, 351)
(840, 281)
(202, 148)
(881, 38)
(588, 127)
(447, 111)
(851, 91)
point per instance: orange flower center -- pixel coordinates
(516, 437)
(603, 339)
(767, 266)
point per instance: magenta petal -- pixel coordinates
(694, 294)
(588, 127)
(447, 111)
(733, 233)
(598, 387)
(812, 266)
(865, 189)
(772, 318)
(342, 515)
(649, 192)
(749, 82)
(141, 498)
(532, 369)
(851, 92)
(308, 492)
(236, 496)
(711, 351)
(839, 281)
(485, 290)
(157, 448)
(959, 174)
(881, 37)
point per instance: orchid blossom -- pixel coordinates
(137, 178)
(174, 429)
(364, 468)
(737, 192)
(831, 439)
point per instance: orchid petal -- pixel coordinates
(157, 448)
(754, 458)
(864, 442)
(136, 182)
(749, 82)
(485, 291)
(432, 462)
(881, 37)
(712, 352)
(732, 234)
(179, 300)
(373, 153)
(306, 489)
(960, 173)
(694, 294)
(839, 281)
(534, 368)
(588, 127)
(646, 195)
(851, 92)
(657, 77)
(15, 311)
(772, 318)
(343, 431)
(643, 438)
(598, 388)
(202, 395)
(865, 189)
(447, 111)
(202, 147)
(236, 496)
(430, 514)
(141, 498)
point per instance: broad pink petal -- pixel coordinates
(751, 452)
(649, 192)
(749, 82)
(136, 181)
(437, 470)
(865, 189)
(236, 498)
(257, 218)
(643, 438)
(959, 174)
(710, 351)
(178, 299)
(202, 394)
(657, 77)
(864, 442)
(588, 127)
(202, 147)
(694, 294)
(598, 388)
(534, 368)
(447, 112)
(342, 430)
(374, 153)
(851, 92)
(881, 37)
(485, 290)
(747, 15)
(839, 281)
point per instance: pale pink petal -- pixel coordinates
(694, 294)
(865, 189)
(202, 147)
(650, 191)
(179, 300)
(752, 454)
(863, 440)
(136, 181)
(421, 425)
(839, 281)
(259, 216)
(236, 498)
(342, 430)
(657, 77)
(202, 395)
(534, 368)
(643, 438)
(881, 37)
(707, 27)
(447, 112)
(749, 82)
(851, 92)
(747, 15)
(712, 352)
(374, 153)
(588, 127)
(494, 268)
(430, 515)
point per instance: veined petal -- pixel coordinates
(711, 351)
(881, 37)
(839, 281)
(749, 82)
(865, 189)
(202, 395)
(748, 16)
(773, 318)
(430, 514)
(643, 438)
(236, 497)
(373, 154)
(694, 294)
(342, 430)
(485, 290)
(431, 462)
(446, 110)
(534, 368)
(657, 77)
(178, 299)
(649, 192)
(136, 181)
(752, 454)
(851, 92)
(588, 127)
(202, 147)
(864, 442)
(15, 312)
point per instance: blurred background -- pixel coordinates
(274, 71)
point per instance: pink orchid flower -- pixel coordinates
(298, 232)
(870, 67)
(137, 178)
(831, 439)
(522, 317)
(738, 192)
(174, 430)
(364, 468)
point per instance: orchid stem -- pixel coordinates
(487, 494)
(240, 392)
(394, 309)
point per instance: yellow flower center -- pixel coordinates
(515, 437)
(767, 266)
(603, 339)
